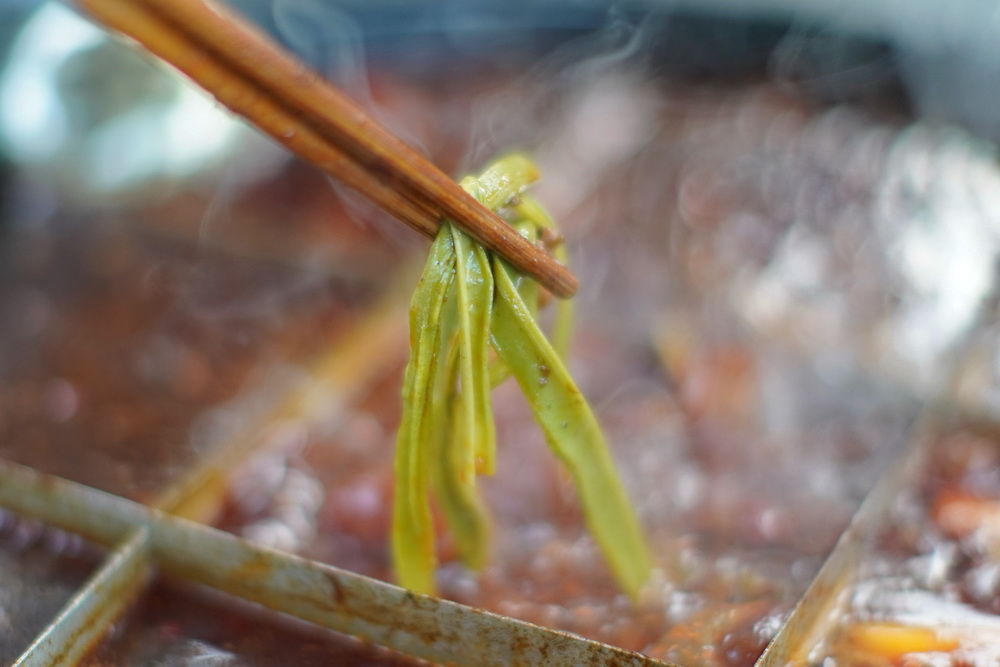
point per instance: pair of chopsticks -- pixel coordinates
(256, 79)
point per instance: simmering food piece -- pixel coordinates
(929, 584)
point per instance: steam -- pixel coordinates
(945, 52)
(525, 113)
(331, 40)
(328, 39)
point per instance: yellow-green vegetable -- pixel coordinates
(467, 301)
(412, 526)
(571, 431)
(528, 208)
(474, 282)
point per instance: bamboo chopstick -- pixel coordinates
(253, 77)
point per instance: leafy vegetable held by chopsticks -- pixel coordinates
(466, 302)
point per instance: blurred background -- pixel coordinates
(785, 217)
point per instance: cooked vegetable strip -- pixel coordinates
(474, 281)
(449, 450)
(502, 180)
(455, 489)
(562, 329)
(528, 289)
(571, 431)
(412, 527)
(463, 509)
(468, 432)
(412, 531)
(467, 299)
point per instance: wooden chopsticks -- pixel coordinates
(256, 79)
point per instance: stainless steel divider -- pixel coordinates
(86, 617)
(417, 625)
(827, 596)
